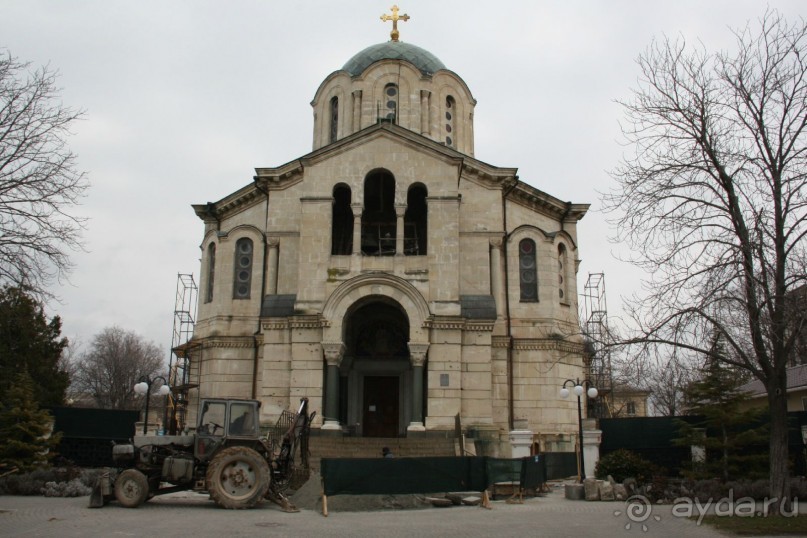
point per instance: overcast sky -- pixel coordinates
(185, 98)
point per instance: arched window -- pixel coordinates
(390, 109)
(334, 119)
(378, 219)
(341, 222)
(451, 111)
(563, 285)
(242, 281)
(415, 223)
(528, 272)
(211, 271)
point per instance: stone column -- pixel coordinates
(496, 275)
(357, 209)
(356, 111)
(591, 444)
(270, 272)
(520, 443)
(417, 356)
(400, 211)
(425, 109)
(333, 356)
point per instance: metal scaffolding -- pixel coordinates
(179, 370)
(597, 335)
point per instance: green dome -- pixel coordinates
(424, 60)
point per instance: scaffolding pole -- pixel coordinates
(181, 345)
(598, 339)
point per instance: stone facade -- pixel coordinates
(388, 275)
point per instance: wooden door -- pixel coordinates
(380, 406)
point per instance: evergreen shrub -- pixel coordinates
(622, 464)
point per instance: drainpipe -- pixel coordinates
(508, 326)
(211, 212)
(565, 214)
(263, 293)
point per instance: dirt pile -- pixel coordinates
(309, 497)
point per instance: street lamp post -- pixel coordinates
(578, 387)
(144, 387)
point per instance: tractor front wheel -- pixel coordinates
(237, 478)
(131, 488)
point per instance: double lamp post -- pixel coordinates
(579, 387)
(144, 387)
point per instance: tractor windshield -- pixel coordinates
(242, 419)
(212, 421)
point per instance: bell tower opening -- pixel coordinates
(378, 220)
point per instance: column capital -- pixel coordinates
(400, 210)
(417, 353)
(334, 351)
(272, 242)
(497, 242)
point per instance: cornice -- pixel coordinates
(537, 200)
(546, 344)
(306, 322)
(239, 342)
(279, 324)
(241, 199)
(461, 324)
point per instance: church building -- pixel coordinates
(388, 275)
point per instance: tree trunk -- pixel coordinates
(779, 460)
(725, 454)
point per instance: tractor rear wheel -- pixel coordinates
(237, 478)
(131, 488)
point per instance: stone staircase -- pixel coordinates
(370, 447)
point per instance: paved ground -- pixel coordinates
(190, 514)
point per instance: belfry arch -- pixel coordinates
(375, 345)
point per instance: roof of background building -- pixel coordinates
(796, 379)
(424, 60)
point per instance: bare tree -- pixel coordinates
(667, 383)
(39, 182)
(665, 377)
(712, 203)
(109, 370)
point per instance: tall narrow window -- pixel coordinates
(341, 221)
(451, 108)
(563, 287)
(211, 271)
(242, 283)
(415, 223)
(334, 119)
(390, 109)
(378, 220)
(528, 272)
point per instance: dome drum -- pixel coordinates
(396, 82)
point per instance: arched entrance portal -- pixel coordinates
(375, 373)
(375, 345)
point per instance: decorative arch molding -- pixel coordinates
(390, 286)
(242, 230)
(554, 237)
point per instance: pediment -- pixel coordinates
(467, 168)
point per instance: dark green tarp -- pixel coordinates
(391, 476)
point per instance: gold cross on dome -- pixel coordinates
(394, 18)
